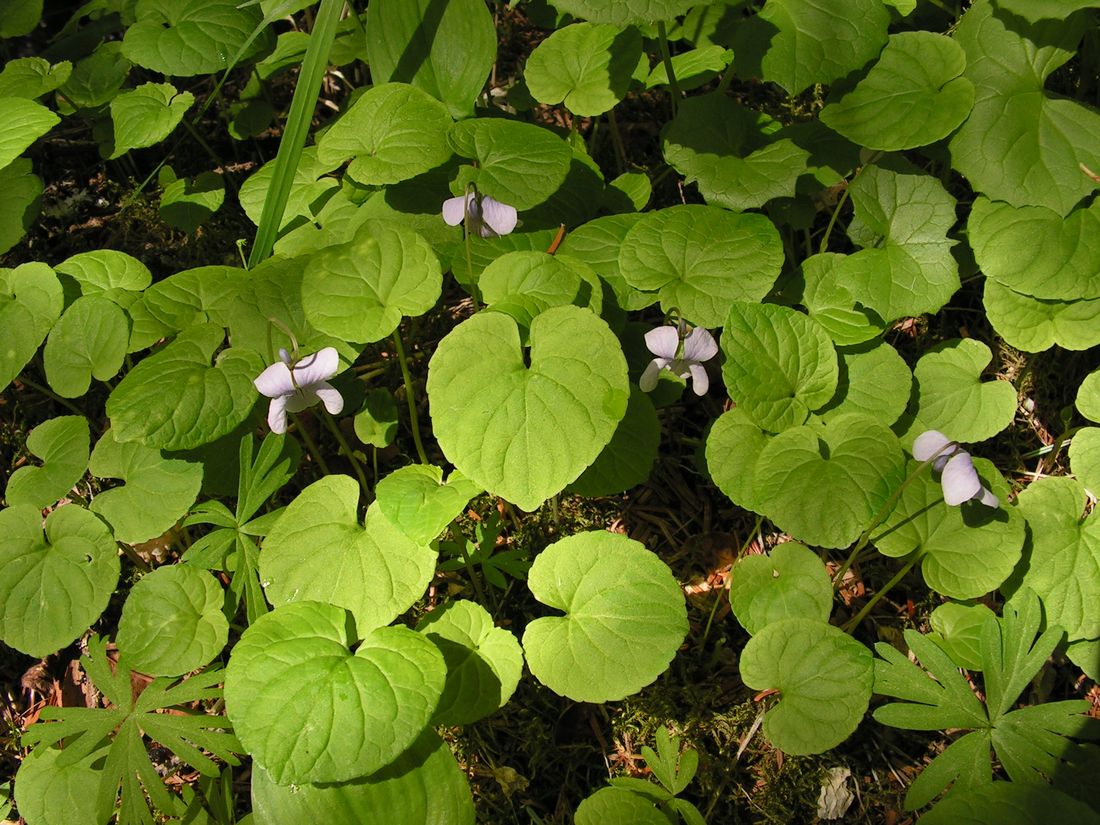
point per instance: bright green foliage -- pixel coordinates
(901, 221)
(47, 793)
(1020, 144)
(157, 493)
(700, 258)
(310, 710)
(423, 786)
(523, 284)
(19, 207)
(55, 579)
(24, 122)
(445, 50)
(150, 405)
(957, 628)
(1084, 457)
(186, 203)
(824, 679)
(30, 302)
(195, 296)
(1088, 397)
(731, 153)
(484, 663)
(525, 432)
(965, 551)
(145, 116)
(586, 65)
(309, 188)
(517, 163)
(619, 633)
(796, 43)
(874, 380)
(1034, 325)
(779, 364)
(692, 68)
(952, 398)
(89, 340)
(825, 485)
(114, 275)
(172, 622)
(914, 95)
(97, 78)
(416, 500)
(19, 17)
(392, 132)
(1063, 555)
(360, 290)
(317, 550)
(62, 444)
(831, 302)
(733, 447)
(628, 457)
(597, 243)
(1010, 803)
(32, 77)
(624, 12)
(1036, 10)
(1037, 252)
(191, 37)
(617, 806)
(1032, 743)
(789, 583)
(376, 422)
(191, 736)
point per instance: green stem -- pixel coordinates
(617, 141)
(666, 58)
(410, 397)
(346, 448)
(726, 79)
(475, 579)
(843, 199)
(311, 445)
(853, 623)
(34, 385)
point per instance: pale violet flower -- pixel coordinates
(293, 386)
(681, 353)
(957, 474)
(487, 216)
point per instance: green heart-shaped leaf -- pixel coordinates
(174, 399)
(1034, 325)
(952, 398)
(619, 633)
(53, 586)
(195, 296)
(1006, 148)
(393, 132)
(825, 485)
(957, 629)
(1063, 555)
(824, 678)
(597, 243)
(733, 447)
(517, 163)
(525, 432)
(158, 490)
(1084, 457)
(146, 115)
(48, 792)
(31, 300)
(19, 207)
(628, 457)
(62, 444)
(779, 364)
(191, 37)
(914, 95)
(831, 302)
(700, 258)
(1037, 252)
(317, 550)
(172, 621)
(790, 583)
(107, 272)
(1088, 397)
(24, 122)
(32, 77)
(97, 78)
(360, 290)
(586, 65)
(187, 203)
(423, 786)
(310, 710)
(874, 381)
(623, 13)
(89, 340)
(484, 662)
(965, 551)
(796, 43)
(417, 501)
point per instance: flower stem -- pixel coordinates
(346, 448)
(666, 58)
(853, 623)
(410, 397)
(311, 445)
(824, 247)
(617, 141)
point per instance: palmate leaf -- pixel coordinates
(1031, 743)
(127, 767)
